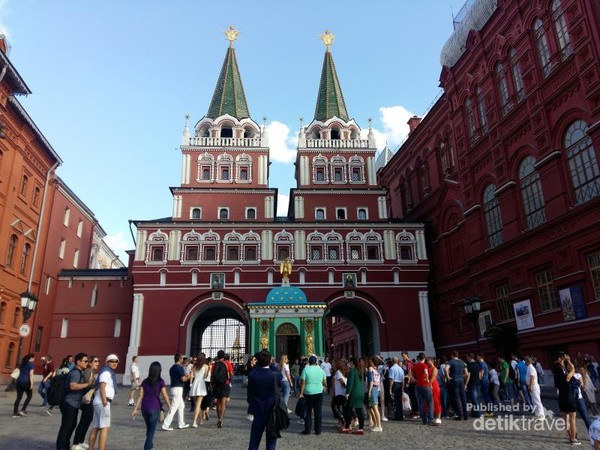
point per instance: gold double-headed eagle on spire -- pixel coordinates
(327, 38)
(231, 34)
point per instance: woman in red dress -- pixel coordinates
(435, 390)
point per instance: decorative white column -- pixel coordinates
(135, 331)
(426, 323)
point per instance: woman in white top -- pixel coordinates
(494, 384)
(286, 384)
(198, 389)
(340, 374)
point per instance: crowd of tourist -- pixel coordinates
(363, 393)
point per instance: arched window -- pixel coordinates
(36, 196)
(224, 213)
(481, 110)
(562, 33)
(443, 158)
(12, 246)
(470, 119)
(24, 182)
(531, 193)
(515, 68)
(493, 220)
(191, 253)
(226, 132)
(320, 169)
(543, 49)
(9, 356)
(16, 316)
(196, 213)
(320, 214)
(251, 213)
(335, 133)
(362, 214)
(502, 87)
(25, 258)
(583, 164)
(340, 213)
(2, 311)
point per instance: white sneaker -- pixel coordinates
(76, 447)
(377, 429)
(167, 428)
(84, 446)
(185, 425)
(250, 417)
(384, 419)
(438, 421)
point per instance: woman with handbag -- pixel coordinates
(87, 409)
(149, 398)
(24, 385)
(261, 397)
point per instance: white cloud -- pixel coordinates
(282, 204)
(119, 244)
(283, 147)
(395, 128)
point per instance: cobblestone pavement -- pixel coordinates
(38, 430)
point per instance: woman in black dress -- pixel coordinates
(563, 370)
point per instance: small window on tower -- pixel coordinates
(196, 213)
(157, 253)
(341, 214)
(337, 174)
(232, 254)
(209, 254)
(251, 213)
(244, 174)
(225, 173)
(206, 173)
(320, 214)
(227, 132)
(251, 254)
(335, 134)
(320, 174)
(224, 213)
(356, 174)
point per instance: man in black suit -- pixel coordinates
(261, 396)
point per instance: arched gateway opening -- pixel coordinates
(219, 328)
(352, 329)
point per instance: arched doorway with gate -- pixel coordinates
(287, 341)
(213, 327)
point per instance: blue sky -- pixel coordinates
(112, 81)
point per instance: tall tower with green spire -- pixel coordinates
(334, 161)
(229, 97)
(330, 99)
(226, 154)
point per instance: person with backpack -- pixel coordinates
(220, 379)
(72, 386)
(87, 408)
(24, 385)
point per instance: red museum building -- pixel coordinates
(503, 170)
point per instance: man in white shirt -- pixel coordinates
(534, 389)
(106, 388)
(326, 367)
(135, 380)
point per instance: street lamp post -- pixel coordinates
(472, 307)
(28, 304)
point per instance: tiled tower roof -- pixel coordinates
(330, 101)
(229, 97)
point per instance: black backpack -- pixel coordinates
(57, 391)
(220, 374)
